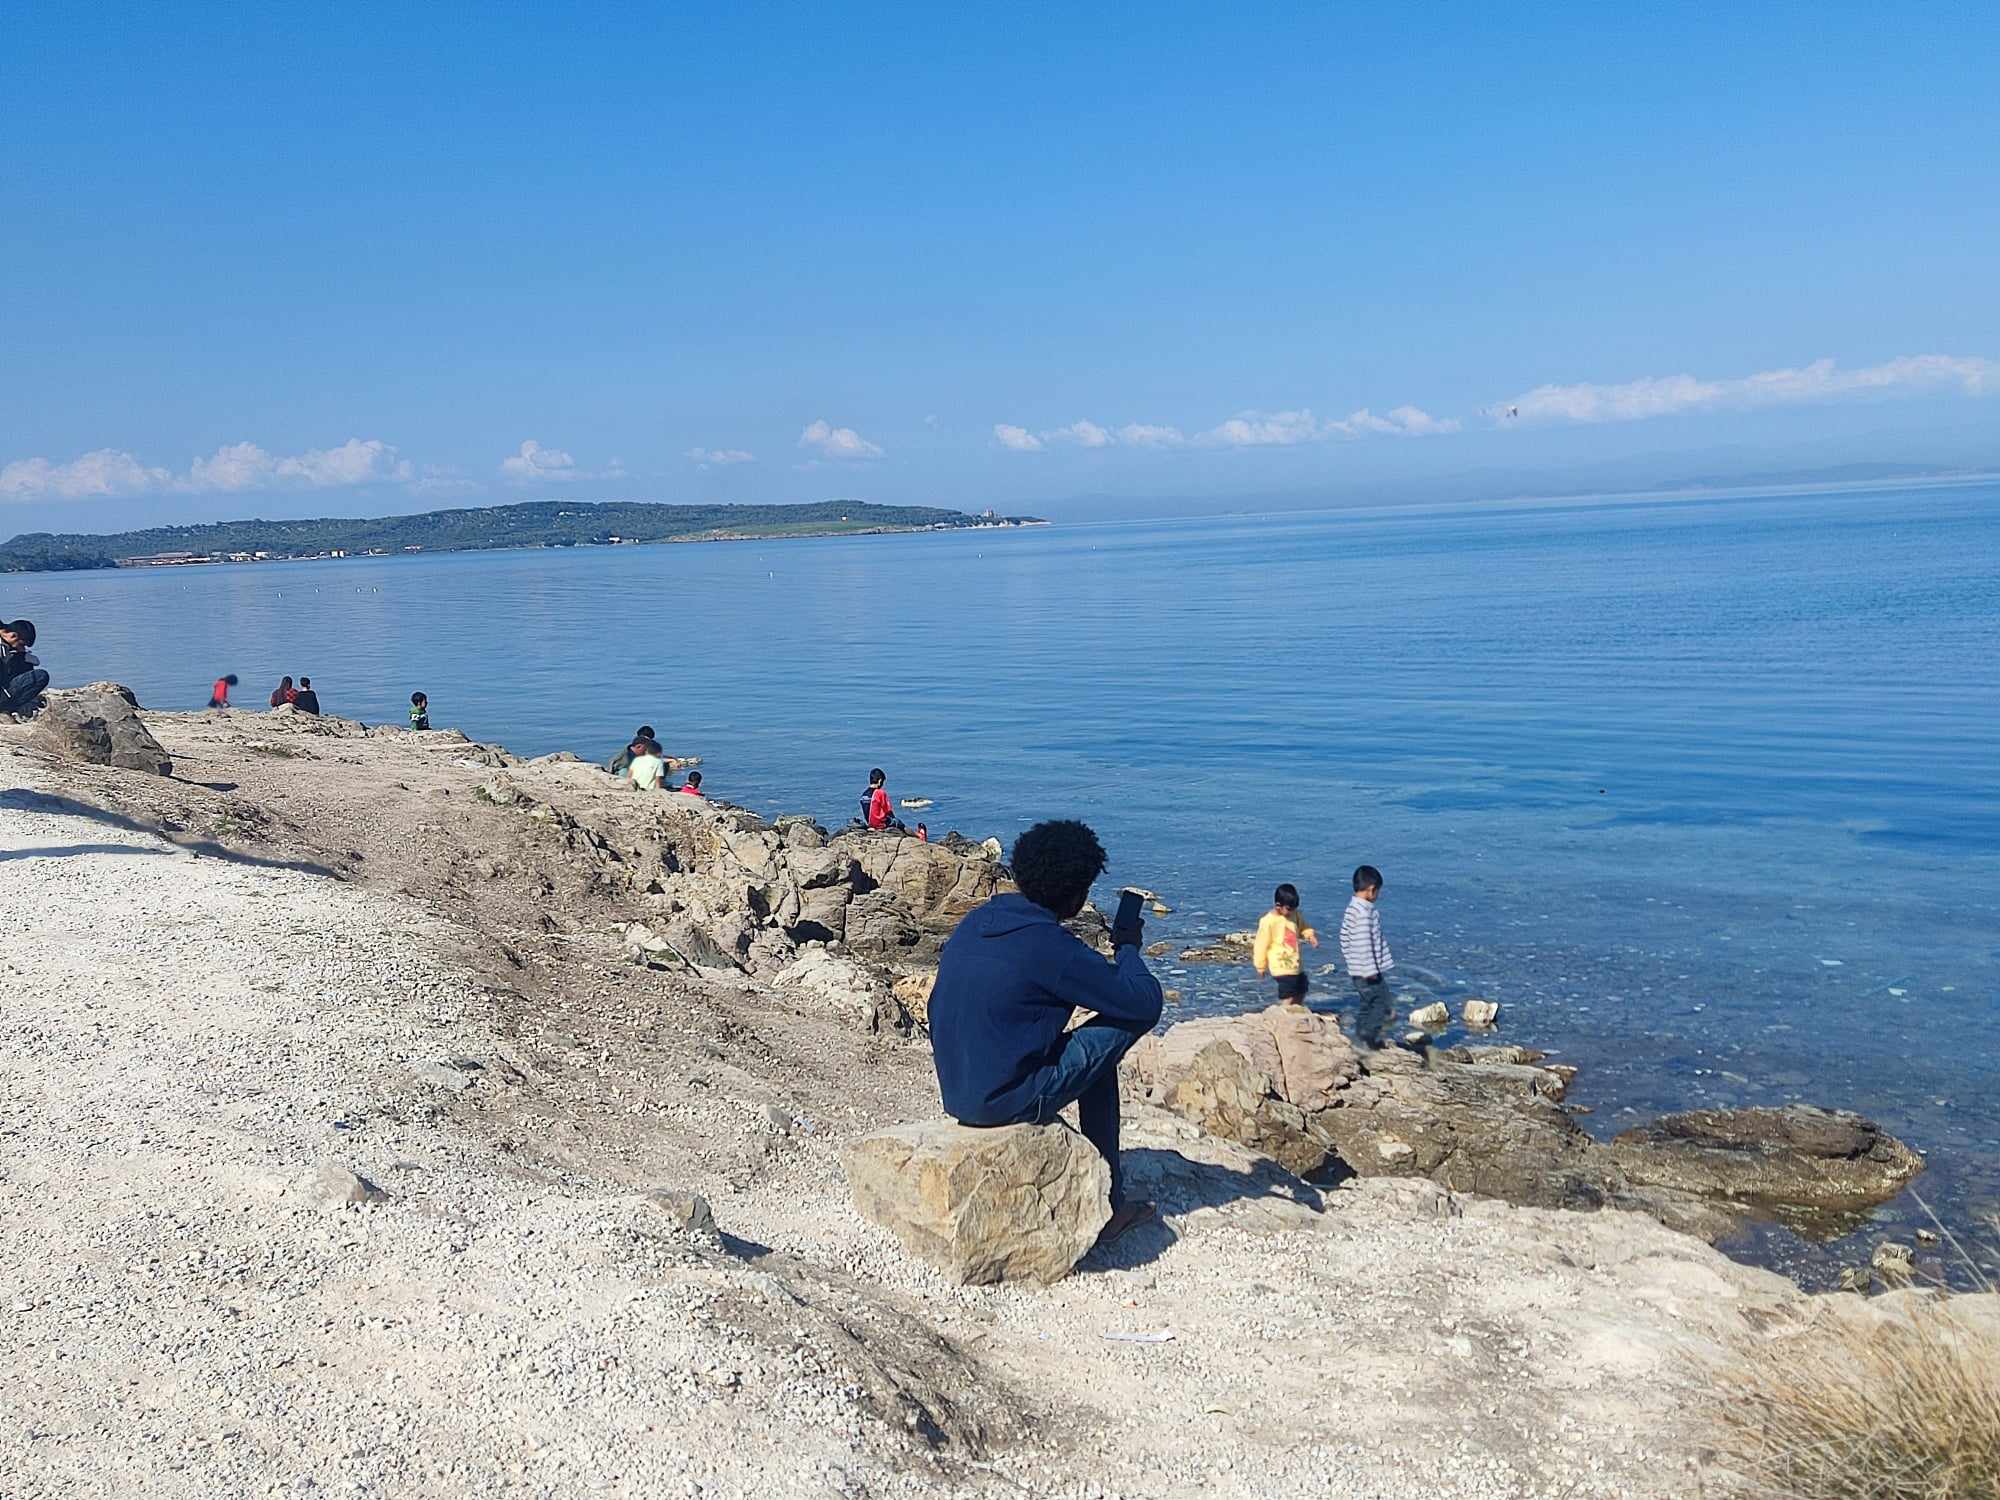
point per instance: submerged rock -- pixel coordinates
(1230, 948)
(1014, 1203)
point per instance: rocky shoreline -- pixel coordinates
(617, 1043)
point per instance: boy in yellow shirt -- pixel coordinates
(1276, 951)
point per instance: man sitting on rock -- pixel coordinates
(21, 676)
(1007, 983)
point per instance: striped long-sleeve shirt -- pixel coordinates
(1362, 947)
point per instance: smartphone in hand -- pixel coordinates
(1128, 928)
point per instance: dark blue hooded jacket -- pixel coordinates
(1007, 982)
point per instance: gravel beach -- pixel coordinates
(334, 1163)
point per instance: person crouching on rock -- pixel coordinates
(21, 676)
(642, 741)
(1007, 982)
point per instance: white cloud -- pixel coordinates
(1249, 429)
(245, 466)
(720, 457)
(534, 464)
(231, 468)
(1404, 421)
(1084, 434)
(837, 442)
(104, 471)
(1414, 421)
(1265, 429)
(1822, 380)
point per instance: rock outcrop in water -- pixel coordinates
(1794, 1160)
(1286, 1082)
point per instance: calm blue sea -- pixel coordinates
(1703, 791)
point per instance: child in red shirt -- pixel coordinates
(875, 809)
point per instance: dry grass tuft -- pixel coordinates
(1905, 1407)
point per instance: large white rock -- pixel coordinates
(1011, 1203)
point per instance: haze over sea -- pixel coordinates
(1701, 790)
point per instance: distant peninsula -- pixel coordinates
(552, 523)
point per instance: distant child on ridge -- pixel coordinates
(218, 696)
(923, 834)
(1367, 956)
(420, 711)
(648, 769)
(1276, 951)
(692, 786)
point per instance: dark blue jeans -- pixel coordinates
(1086, 1075)
(19, 692)
(1371, 1016)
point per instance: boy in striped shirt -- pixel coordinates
(1366, 954)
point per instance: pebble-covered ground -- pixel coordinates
(199, 1049)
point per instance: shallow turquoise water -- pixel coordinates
(1702, 791)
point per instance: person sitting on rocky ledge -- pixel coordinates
(1007, 983)
(640, 743)
(648, 770)
(306, 701)
(21, 678)
(284, 693)
(876, 809)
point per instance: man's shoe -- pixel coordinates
(1129, 1217)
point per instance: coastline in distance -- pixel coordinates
(544, 523)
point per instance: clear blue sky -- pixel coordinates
(901, 253)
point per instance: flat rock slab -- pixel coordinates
(1011, 1203)
(1796, 1155)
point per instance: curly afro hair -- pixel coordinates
(1055, 863)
